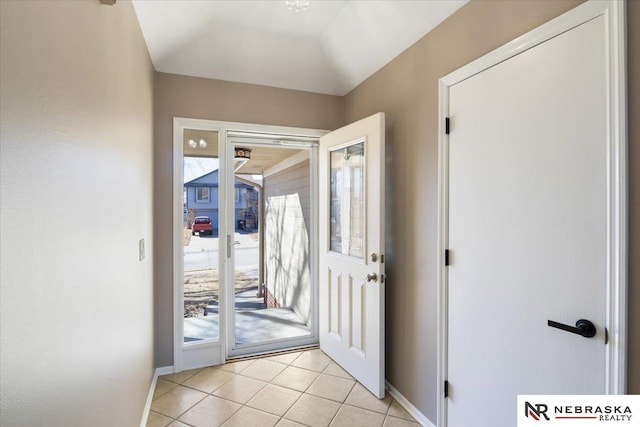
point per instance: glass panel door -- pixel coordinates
(244, 233)
(201, 225)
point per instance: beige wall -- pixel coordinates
(407, 91)
(76, 88)
(633, 77)
(76, 113)
(180, 96)
(287, 232)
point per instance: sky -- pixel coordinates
(195, 167)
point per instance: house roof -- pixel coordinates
(208, 178)
(211, 180)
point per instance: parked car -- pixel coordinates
(202, 225)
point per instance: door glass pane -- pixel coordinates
(200, 238)
(347, 200)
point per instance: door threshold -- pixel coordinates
(259, 355)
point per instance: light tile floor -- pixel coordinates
(303, 388)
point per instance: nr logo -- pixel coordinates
(536, 411)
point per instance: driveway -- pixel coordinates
(202, 252)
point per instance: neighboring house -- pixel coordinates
(201, 199)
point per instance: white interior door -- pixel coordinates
(351, 255)
(528, 227)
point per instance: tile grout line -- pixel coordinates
(305, 392)
(195, 389)
(270, 382)
(244, 405)
(302, 393)
(188, 409)
(211, 393)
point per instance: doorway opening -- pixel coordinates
(271, 248)
(245, 229)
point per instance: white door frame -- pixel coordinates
(191, 355)
(616, 286)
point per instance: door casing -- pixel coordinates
(616, 286)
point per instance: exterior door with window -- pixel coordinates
(351, 255)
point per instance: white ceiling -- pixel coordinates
(330, 47)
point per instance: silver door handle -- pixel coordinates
(229, 244)
(372, 277)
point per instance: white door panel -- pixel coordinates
(351, 295)
(528, 227)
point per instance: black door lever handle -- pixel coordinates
(583, 327)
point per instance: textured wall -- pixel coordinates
(180, 96)
(407, 91)
(287, 232)
(76, 189)
(633, 93)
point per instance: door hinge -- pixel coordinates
(446, 389)
(446, 257)
(447, 126)
(382, 277)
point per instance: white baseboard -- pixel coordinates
(164, 370)
(408, 406)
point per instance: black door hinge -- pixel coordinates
(446, 126)
(446, 257)
(446, 389)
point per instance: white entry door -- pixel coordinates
(351, 249)
(530, 228)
